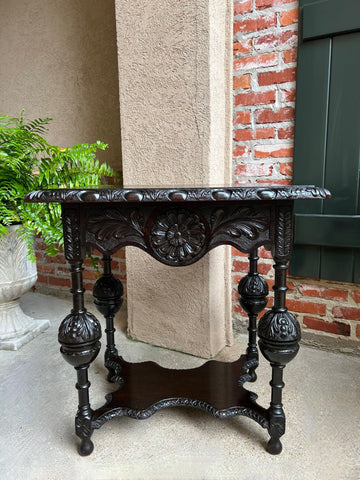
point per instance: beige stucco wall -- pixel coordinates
(175, 77)
(58, 59)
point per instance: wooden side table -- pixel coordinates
(177, 226)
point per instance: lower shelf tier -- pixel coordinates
(215, 387)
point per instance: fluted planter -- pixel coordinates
(17, 276)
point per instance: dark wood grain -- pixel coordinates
(215, 387)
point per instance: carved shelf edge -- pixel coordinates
(215, 387)
(105, 195)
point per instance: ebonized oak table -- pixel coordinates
(177, 226)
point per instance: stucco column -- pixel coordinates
(175, 101)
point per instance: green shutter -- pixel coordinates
(327, 140)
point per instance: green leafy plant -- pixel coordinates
(28, 162)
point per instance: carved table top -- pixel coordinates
(193, 194)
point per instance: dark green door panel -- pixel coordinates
(312, 77)
(343, 144)
(329, 18)
(328, 230)
(327, 140)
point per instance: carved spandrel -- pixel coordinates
(111, 228)
(177, 235)
(244, 227)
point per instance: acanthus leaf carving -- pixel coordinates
(116, 225)
(77, 328)
(244, 221)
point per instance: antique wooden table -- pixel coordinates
(177, 226)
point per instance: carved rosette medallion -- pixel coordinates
(177, 237)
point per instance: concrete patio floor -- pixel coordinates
(38, 403)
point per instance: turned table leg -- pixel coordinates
(79, 335)
(253, 289)
(279, 334)
(108, 296)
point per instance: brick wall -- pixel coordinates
(53, 272)
(265, 40)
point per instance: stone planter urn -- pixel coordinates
(17, 276)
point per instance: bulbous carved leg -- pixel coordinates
(253, 289)
(108, 296)
(79, 335)
(279, 334)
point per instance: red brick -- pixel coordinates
(255, 98)
(257, 61)
(288, 95)
(264, 268)
(89, 286)
(243, 266)
(290, 285)
(243, 134)
(39, 256)
(356, 295)
(236, 252)
(273, 116)
(286, 168)
(46, 268)
(271, 78)
(63, 271)
(323, 292)
(284, 181)
(254, 25)
(290, 56)
(265, 133)
(286, 133)
(241, 151)
(249, 134)
(119, 254)
(90, 275)
(239, 266)
(254, 170)
(242, 81)
(338, 328)
(242, 117)
(59, 281)
(238, 310)
(350, 313)
(243, 46)
(242, 7)
(58, 259)
(358, 331)
(287, 38)
(115, 265)
(302, 306)
(263, 253)
(260, 4)
(289, 16)
(42, 278)
(273, 151)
